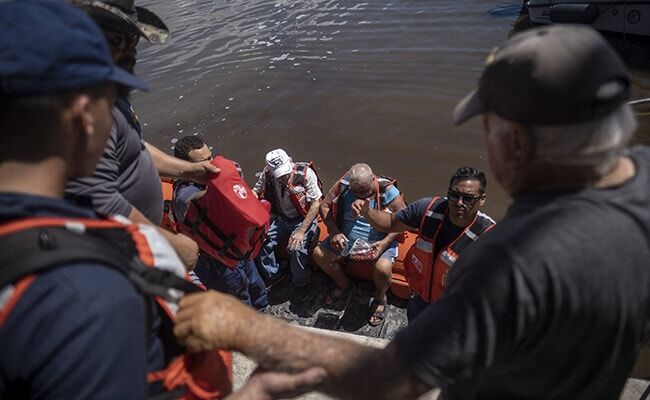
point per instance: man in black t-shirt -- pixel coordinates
(446, 227)
(554, 302)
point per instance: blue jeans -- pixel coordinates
(243, 282)
(280, 228)
(415, 307)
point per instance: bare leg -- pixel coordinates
(381, 274)
(329, 263)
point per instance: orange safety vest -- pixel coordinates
(297, 187)
(381, 185)
(138, 251)
(425, 270)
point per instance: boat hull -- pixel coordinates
(629, 17)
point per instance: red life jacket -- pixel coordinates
(228, 222)
(141, 254)
(426, 275)
(381, 185)
(297, 187)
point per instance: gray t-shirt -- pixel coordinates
(125, 176)
(553, 303)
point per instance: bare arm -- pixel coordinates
(175, 168)
(186, 248)
(325, 213)
(382, 221)
(311, 215)
(214, 320)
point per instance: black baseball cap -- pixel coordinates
(552, 75)
(48, 47)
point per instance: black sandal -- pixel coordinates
(377, 316)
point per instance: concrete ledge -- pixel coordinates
(243, 367)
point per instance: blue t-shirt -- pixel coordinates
(78, 331)
(359, 228)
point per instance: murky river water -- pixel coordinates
(333, 81)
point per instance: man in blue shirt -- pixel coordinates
(77, 331)
(346, 227)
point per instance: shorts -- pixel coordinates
(390, 253)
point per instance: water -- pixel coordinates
(333, 81)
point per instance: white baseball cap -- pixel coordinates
(278, 162)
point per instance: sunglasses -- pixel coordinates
(468, 199)
(121, 41)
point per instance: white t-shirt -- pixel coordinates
(286, 205)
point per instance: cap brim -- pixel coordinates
(151, 27)
(468, 107)
(282, 170)
(121, 77)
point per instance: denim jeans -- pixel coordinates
(243, 282)
(280, 228)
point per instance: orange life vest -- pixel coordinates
(381, 185)
(425, 270)
(139, 252)
(229, 223)
(297, 187)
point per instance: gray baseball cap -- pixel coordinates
(559, 74)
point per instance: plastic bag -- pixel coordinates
(359, 250)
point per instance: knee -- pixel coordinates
(383, 269)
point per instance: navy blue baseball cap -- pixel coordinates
(49, 46)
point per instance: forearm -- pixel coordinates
(390, 238)
(354, 371)
(311, 215)
(168, 166)
(380, 220)
(328, 219)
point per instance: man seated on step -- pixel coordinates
(243, 282)
(294, 191)
(345, 227)
(446, 227)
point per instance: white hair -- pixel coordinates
(360, 175)
(595, 145)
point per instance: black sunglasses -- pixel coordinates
(468, 199)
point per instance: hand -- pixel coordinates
(212, 320)
(264, 385)
(360, 207)
(338, 241)
(186, 248)
(295, 240)
(378, 249)
(199, 172)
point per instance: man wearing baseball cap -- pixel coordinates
(75, 331)
(294, 191)
(127, 178)
(550, 304)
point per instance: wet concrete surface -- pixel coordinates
(349, 314)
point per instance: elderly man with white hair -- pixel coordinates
(550, 304)
(345, 226)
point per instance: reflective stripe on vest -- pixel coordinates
(153, 251)
(427, 276)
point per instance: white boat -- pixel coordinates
(623, 17)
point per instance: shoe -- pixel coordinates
(300, 294)
(277, 281)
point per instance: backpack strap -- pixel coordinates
(38, 249)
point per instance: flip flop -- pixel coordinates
(377, 316)
(336, 294)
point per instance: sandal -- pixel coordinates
(376, 315)
(336, 294)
